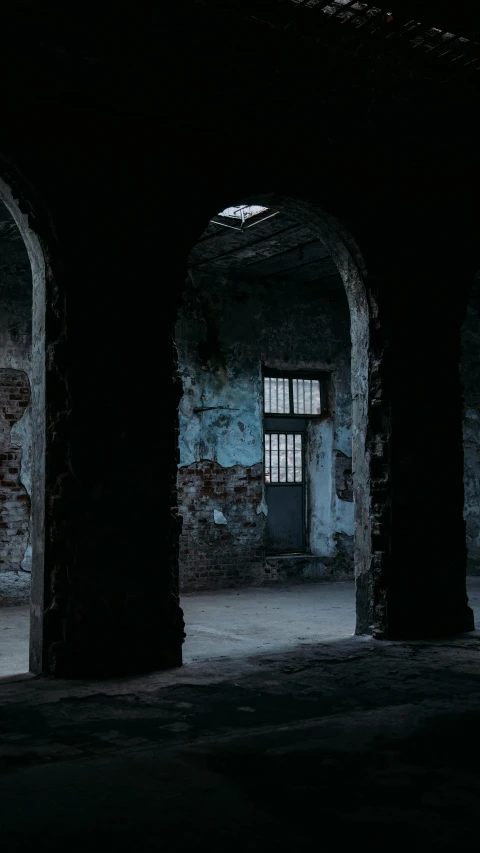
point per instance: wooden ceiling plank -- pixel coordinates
(228, 240)
(303, 255)
(264, 249)
(360, 17)
(303, 272)
(215, 231)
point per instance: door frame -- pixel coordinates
(295, 423)
(296, 430)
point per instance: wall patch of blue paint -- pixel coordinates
(221, 411)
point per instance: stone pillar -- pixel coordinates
(418, 533)
(111, 598)
(14, 500)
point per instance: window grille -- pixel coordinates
(283, 457)
(285, 395)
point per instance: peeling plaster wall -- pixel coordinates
(470, 374)
(228, 327)
(230, 435)
(16, 355)
(108, 605)
(14, 500)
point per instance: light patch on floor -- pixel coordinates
(14, 634)
(235, 623)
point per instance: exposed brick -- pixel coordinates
(219, 555)
(15, 503)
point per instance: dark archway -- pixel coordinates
(37, 380)
(48, 389)
(367, 443)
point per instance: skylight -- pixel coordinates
(243, 211)
(242, 214)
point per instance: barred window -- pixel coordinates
(284, 395)
(277, 395)
(283, 457)
(306, 397)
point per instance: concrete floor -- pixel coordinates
(226, 624)
(14, 636)
(15, 588)
(233, 624)
(347, 744)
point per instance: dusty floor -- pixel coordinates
(14, 635)
(239, 622)
(14, 588)
(332, 745)
(348, 744)
(226, 624)
(234, 623)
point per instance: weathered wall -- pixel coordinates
(167, 154)
(14, 500)
(227, 329)
(222, 536)
(15, 409)
(470, 375)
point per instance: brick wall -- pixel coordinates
(224, 335)
(470, 375)
(14, 501)
(343, 476)
(220, 555)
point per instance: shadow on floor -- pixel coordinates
(349, 742)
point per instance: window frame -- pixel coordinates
(281, 483)
(323, 377)
(243, 223)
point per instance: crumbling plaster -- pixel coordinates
(16, 340)
(35, 273)
(414, 125)
(230, 434)
(470, 374)
(254, 324)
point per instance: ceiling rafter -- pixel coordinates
(296, 253)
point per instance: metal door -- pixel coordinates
(284, 488)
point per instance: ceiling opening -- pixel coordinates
(243, 216)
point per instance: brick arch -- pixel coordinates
(14, 499)
(48, 329)
(370, 420)
(370, 416)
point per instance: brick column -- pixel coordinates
(14, 500)
(417, 526)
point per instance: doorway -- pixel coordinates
(265, 445)
(22, 439)
(284, 488)
(292, 402)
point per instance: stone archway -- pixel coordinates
(370, 434)
(32, 387)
